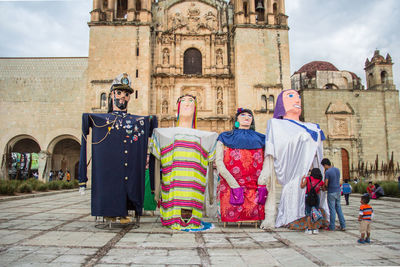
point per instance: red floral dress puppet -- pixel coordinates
(239, 158)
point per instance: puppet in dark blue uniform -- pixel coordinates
(119, 153)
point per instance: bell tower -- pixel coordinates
(119, 42)
(379, 72)
(261, 55)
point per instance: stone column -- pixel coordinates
(44, 165)
(110, 10)
(252, 12)
(131, 10)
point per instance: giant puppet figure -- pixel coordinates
(239, 158)
(292, 147)
(184, 153)
(119, 153)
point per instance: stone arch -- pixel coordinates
(370, 80)
(264, 103)
(384, 77)
(192, 61)
(17, 156)
(65, 152)
(271, 103)
(331, 86)
(103, 101)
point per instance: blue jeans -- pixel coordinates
(335, 207)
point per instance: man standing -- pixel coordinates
(332, 183)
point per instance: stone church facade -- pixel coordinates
(362, 126)
(229, 55)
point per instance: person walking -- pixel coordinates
(332, 183)
(346, 189)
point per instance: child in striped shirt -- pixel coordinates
(365, 217)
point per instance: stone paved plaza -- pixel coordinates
(57, 230)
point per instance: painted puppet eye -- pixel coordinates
(290, 95)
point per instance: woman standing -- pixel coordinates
(239, 158)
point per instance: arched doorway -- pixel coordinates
(22, 157)
(65, 155)
(345, 164)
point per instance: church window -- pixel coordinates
(192, 62)
(137, 73)
(263, 103)
(103, 101)
(137, 51)
(271, 103)
(370, 80)
(330, 86)
(122, 7)
(384, 77)
(259, 4)
(136, 94)
(275, 8)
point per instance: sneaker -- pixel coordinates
(361, 241)
(315, 231)
(367, 240)
(308, 232)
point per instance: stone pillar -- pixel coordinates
(44, 165)
(131, 10)
(252, 13)
(110, 10)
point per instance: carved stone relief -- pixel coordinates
(198, 92)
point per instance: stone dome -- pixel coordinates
(312, 67)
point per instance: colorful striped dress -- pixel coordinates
(184, 154)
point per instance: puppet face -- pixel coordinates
(120, 99)
(292, 104)
(187, 106)
(245, 119)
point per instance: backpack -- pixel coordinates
(312, 197)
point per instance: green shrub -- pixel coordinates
(75, 182)
(390, 188)
(42, 187)
(8, 188)
(54, 185)
(66, 185)
(359, 187)
(25, 187)
(34, 183)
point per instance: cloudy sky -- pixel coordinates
(342, 32)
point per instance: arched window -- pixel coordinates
(122, 7)
(384, 77)
(264, 103)
(370, 80)
(192, 61)
(259, 4)
(330, 86)
(103, 101)
(275, 8)
(271, 103)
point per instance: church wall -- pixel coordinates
(367, 135)
(261, 63)
(41, 98)
(113, 50)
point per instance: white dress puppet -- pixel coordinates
(292, 147)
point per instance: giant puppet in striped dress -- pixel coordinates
(184, 153)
